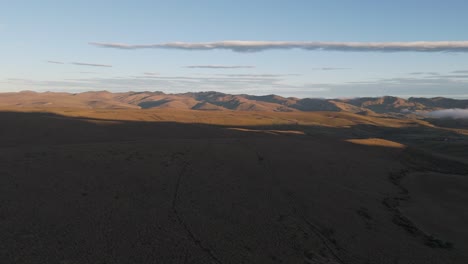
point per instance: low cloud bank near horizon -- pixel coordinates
(256, 46)
(455, 113)
(284, 84)
(254, 85)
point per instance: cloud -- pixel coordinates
(256, 46)
(90, 64)
(404, 87)
(56, 62)
(171, 84)
(151, 73)
(219, 67)
(258, 75)
(418, 86)
(80, 63)
(217, 78)
(455, 113)
(330, 69)
(463, 71)
(425, 73)
(453, 76)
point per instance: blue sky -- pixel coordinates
(46, 47)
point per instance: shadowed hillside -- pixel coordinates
(103, 186)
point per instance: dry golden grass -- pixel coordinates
(229, 118)
(376, 142)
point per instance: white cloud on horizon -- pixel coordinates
(455, 113)
(256, 46)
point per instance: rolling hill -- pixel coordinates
(216, 101)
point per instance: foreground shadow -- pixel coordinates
(83, 190)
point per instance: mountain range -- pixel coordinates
(216, 101)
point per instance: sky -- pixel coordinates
(301, 48)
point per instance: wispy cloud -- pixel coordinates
(220, 67)
(259, 75)
(462, 71)
(425, 73)
(256, 46)
(151, 73)
(426, 86)
(90, 64)
(449, 76)
(80, 63)
(217, 78)
(55, 62)
(330, 69)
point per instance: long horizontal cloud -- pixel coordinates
(219, 67)
(90, 64)
(255, 46)
(450, 113)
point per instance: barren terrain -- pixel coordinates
(84, 184)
